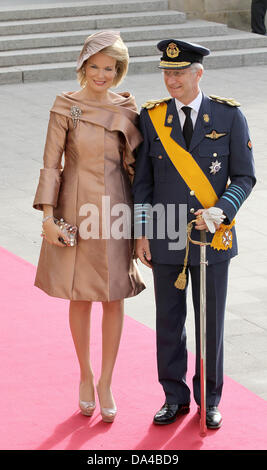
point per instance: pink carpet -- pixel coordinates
(39, 383)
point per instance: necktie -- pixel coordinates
(188, 126)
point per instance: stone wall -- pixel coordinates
(234, 13)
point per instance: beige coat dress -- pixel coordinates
(97, 141)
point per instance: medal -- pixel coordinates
(215, 167)
(227, 238)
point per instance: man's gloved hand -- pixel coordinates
(212, 217)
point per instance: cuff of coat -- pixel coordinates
(141, 220)
(48, 188)
(228, 209)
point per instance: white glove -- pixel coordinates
(213, 216)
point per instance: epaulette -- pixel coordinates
(229, 101)
(152, 103)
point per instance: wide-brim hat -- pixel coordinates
(95, 43)
(180, 54)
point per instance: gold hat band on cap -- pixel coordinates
(166, 64)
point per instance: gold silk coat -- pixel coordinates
(97, 141)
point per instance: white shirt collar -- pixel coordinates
(195, 104)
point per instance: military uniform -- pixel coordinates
(221, 151)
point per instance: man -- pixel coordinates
(258, 12)
(193, 144)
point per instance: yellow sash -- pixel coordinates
(191, 173)
(183, 161)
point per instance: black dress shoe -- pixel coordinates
(169, 413)
(213, 417)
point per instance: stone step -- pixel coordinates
(238, 40)
(96, 7)
(219, 59)
(235, 58)
(194, 28)
(147, 64)
(136, 49)
(91, 22)
(39, 56)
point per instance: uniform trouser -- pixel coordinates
(171, 333)
(258, 11)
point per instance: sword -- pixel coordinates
(181, 284)
(203, 264)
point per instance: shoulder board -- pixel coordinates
(229, 101)
(152, 103)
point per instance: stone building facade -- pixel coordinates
(234, 13)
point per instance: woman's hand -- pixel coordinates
(51, 233)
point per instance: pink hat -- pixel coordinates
(95, 43)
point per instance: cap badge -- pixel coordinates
(215, 167)
(172, 50)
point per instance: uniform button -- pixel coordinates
(215, 154)
(192, 210)
(160, 157)
(192, 193)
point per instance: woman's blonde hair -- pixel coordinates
(119, 51)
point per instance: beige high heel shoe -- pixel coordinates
(87, 407)
(108, 414)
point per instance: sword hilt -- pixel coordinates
(203, 236)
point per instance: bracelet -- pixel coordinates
(46, 218)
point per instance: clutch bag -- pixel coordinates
(70, 231)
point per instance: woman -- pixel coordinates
(96, 129)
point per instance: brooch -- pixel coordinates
(206, 118)
(75, 113)
(215, 167)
